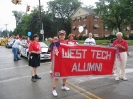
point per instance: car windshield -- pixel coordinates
(43, 45)
(11, 41)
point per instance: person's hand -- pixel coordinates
(38, 52)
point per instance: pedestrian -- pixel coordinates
(55, 38)
(61, 35)
(34, 59)
(71, 40)
(15, 47)
(90, 40)
(121, 56)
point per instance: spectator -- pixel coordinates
(34, 59)
(15, 47)
(71, 40)
(121, 56)
(53, 40)
(90, 40)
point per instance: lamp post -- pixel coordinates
(41, 24)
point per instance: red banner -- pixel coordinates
(82, 60)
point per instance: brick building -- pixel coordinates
(91, 23)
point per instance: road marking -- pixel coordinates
(79, 92)
(22, 66)
(16, 78)
(83, 90)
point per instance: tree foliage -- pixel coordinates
(62, 11)
(116, 14)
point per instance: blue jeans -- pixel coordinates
(15, 51)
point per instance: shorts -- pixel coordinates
(34, 60)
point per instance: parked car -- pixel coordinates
(9, 43)
(45, 54)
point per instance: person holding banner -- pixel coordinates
(71, 40)
(121, 56)
(34, 59)
(55, 38)
(90, 40)
(61, 35)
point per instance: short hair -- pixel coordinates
(55, 38)
(71, 34)
(119, 33)
(34, 36)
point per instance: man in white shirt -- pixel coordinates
(90, 40)
(15, 47)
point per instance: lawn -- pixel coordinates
(98, 42)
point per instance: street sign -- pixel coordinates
(29, 33)
(41, 31)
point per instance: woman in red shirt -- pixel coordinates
(62, 40)
(71, 40)
(34, 59)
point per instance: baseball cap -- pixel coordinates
(61, 32)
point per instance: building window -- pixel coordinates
(106, 28)
(74, 19)
(79, 18)
(84, 18)
(95, 27)
(84, 26)
(74, 28)
(95, 18)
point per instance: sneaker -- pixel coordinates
(65, 88)
(15, 59)
(124, 78)
(117, 78)
(33, 79)
(54, 93)
(37, 77)
(18, 59)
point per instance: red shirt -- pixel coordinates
(71, 41)
(121, 43)
(63, 41)
(34, 46)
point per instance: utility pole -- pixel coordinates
(41, 24)
(6, 28)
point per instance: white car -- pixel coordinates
(45, 54)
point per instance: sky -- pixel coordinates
(6, 8)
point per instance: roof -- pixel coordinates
(91, 11)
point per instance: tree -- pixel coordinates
(62, 11)
(116, 14)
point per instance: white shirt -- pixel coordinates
(17, 43)
(89, 41)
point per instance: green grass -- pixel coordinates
(98, 42)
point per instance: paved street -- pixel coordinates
(15, 82)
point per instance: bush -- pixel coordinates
(84, 37)
(131, 36)
(112, 36)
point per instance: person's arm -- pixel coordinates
(125, 47)
(85, 41)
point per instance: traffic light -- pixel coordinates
(14, 1)
(19, 1)
(27, 8)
